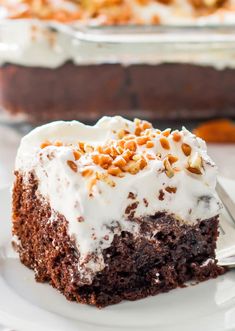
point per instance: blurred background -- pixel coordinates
(171, 62)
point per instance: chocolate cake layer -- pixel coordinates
(164, 91)
(164, 255)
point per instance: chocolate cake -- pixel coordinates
(117, 211)
(159, 97)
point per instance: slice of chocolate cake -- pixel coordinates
(115, 211)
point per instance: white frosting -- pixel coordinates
(68, 192)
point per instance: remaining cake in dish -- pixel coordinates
(45, 74)
(115, 211)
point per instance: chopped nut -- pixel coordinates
(99, 149)
(119, 149)
(107, 150)
(96, 158)
(146, 125)
(138, 131)
(131, 145)
(46, 143)
(87, 172)
(137, 121)
(168, 168)
(150, 157)
(172, 158)
(186, 149)
(149, 144)
(116, 151)
(164, 142)
(136, 157)
(142, 140)
(76, 155)
(104, 177)
(195, 164)
(119, 162)
(129, 137)
(127, 155)
(122, 133)
(91, 184)
(72, 165)
(142, 163)
(114, 171)
(132, 167)
(81, 146)
(149, 132)
(105, 160)
(176, 136)
(88, 148)
(166, 132)
(121, 143)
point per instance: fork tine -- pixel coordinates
(227, 201)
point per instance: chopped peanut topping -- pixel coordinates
(105, 178)
(77, 155)
(88, 148)
(172, 159)
(127, 153)
(166, 132)
(165, 143)
(87, 172)
(176, 136)
(122, 133)
(72, 165)
(119, 162)
(114, 171)
(138, 131)
(195, 164)
(107, 150)
(131, 145)
(150, 157)
(46, 143)
(168, 168)
(105, 160)
(186, 149)
(81, 146)
(142, 140)
(146, 125)
(149, 144)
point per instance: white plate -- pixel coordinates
(29, 306)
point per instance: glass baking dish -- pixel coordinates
(52, 71)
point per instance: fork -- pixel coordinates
(225, 252)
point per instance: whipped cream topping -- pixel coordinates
(176, 177)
